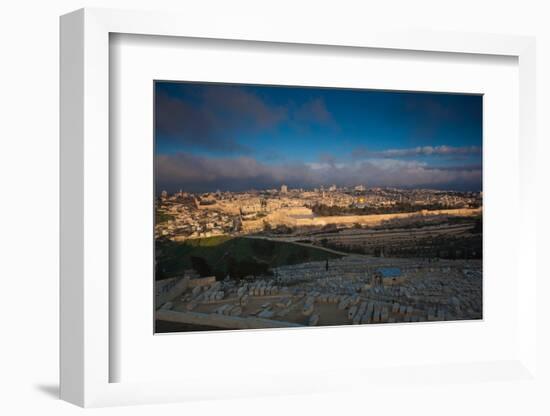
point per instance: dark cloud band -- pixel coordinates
(202, 174)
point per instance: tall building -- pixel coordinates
(284, 189)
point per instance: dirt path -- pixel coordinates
(284, 240)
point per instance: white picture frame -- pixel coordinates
(85, 212)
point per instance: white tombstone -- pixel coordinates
(284, 303)
(376, 315)
(351, 313)
(384, 314)
(354, 300)
(307, 309)
(219, 310)
(236, 311)
(344, 303)
(313, 320)
(266, 314)
(360, 312)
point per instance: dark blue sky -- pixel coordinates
(238, 137)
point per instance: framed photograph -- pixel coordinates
(271, 211)
(287, 206)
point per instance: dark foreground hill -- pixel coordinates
(234, 256)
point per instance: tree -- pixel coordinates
(159, 272)
(201, 266)
(247, 267)
(262, 248)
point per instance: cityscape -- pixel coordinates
(246, 240)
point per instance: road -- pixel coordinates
(293, 241)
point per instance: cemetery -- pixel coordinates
(352, 290)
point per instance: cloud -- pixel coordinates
(433, 114)
(198, 174)
(327, 159)
(427, 104)
(464, 168)
(213, 117)
(360, 152)
(310, 114)
(314, 111)
(247, 106)
(363, 152)
(395, 172)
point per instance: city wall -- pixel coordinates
(297, 218)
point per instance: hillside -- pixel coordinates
(228, 255)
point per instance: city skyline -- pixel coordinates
(241, 137)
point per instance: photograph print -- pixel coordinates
(292, 206)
